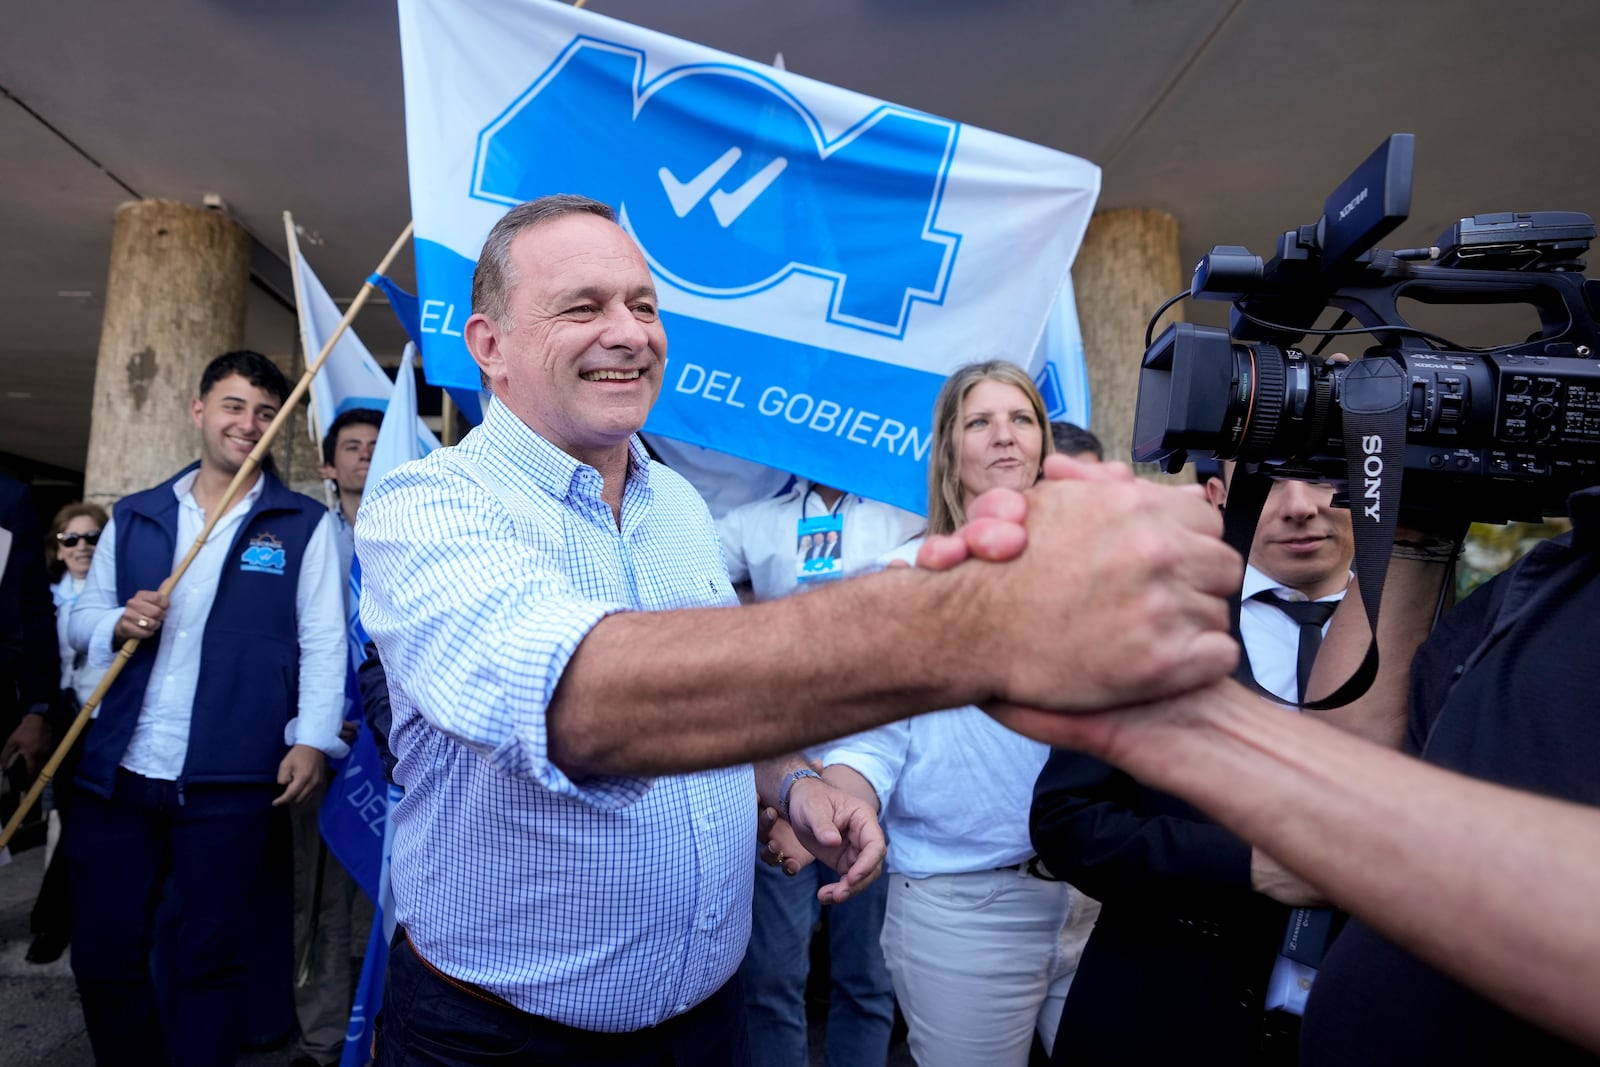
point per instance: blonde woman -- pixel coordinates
(978, 940)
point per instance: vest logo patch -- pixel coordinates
(264, 555)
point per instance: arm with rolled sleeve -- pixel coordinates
(319, 619)
(475, 625)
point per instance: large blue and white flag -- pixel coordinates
(825, 259)
(350, 378)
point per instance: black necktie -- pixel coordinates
(1311, 615)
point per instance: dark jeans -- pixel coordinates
(429, 1019)
(206, 849)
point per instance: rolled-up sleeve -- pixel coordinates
(878, 755)
(475, 619)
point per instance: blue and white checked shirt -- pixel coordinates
(610, 904)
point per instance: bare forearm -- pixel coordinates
(1116, 600)
(1419, 853)
(770, 774)
(656, 693)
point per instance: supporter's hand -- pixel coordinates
(1119, 597)
(31, 741)
(301, 772)
(1270, 878)
(348, 729)
(143, 615)
(839, 829)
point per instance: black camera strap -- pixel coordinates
(1374, 401)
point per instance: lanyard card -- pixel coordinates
(819, 549)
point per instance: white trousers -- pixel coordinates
(981, 960)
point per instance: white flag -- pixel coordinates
(350, 378)
(824, 259)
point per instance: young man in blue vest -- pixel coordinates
(227, 709)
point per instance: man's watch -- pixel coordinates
(788, 784)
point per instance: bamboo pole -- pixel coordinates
(246, 473)
(447, 419)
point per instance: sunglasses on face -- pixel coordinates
(70, 540)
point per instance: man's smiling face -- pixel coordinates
(231, 417)
(581, 357)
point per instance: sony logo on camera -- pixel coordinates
(1372, 468)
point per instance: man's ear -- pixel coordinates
(328, 473)
(1216, 492)
(196, 406)
(482, 338)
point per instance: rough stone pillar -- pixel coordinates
(1128, 266)
(175, 298)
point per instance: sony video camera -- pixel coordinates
(1489, 434)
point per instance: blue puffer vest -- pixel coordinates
(250, 656)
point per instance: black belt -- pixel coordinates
(1033, 866)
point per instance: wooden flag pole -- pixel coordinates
(247, 471)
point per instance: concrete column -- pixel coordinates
(175, 299)
(1128, 266)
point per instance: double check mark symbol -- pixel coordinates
(727, 206)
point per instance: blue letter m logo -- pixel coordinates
(730, 184)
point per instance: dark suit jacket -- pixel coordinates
(30, 665)
(1176, 968)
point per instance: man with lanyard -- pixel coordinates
(552, 609)
(757, 542)
(1183, 955)
(331, 912)
(234, 690)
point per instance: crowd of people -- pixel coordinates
(996, 754)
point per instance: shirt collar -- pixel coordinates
(519, 451)
(183, 489)
(1256, 582)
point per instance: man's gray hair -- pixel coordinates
(493, 278)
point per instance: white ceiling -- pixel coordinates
(1237, 116)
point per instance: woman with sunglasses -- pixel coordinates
(68, 551)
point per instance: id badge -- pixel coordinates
(819, 549)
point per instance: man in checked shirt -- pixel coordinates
(571, 882)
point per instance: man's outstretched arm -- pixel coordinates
(1118, 597)
(1416, 852)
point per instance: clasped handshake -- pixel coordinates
(1084, 611)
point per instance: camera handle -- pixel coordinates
(1374, 402)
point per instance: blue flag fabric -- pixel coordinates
(375, 965)
(403, 304)
(406, 308)
(823, 259)
(355, 813)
